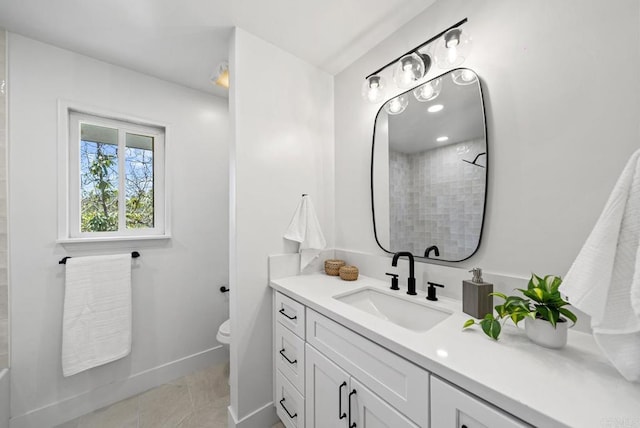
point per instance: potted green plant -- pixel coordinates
(542, 308)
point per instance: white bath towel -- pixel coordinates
(96, 326)
(305, 229)
(604, 280)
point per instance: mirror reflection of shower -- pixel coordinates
(423, 195)
(475, 160)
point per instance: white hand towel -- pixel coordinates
(604, 280)
(305, 229)
(96, 326)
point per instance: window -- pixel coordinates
(116, 178)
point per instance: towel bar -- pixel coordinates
(134, 255)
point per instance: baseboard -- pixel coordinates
(264, 417)
(59, 412)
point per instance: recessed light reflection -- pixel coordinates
(442, 353)
(442, 139)
(435, 108)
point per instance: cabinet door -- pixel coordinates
(326, 389)
(454, 408)
(367, 410)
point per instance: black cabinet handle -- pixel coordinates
(286, 358)
(340, 412)
(285, 409)
(224, 289)
(351, 425)
(291, 318)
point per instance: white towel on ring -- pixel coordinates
(305, 229)
(604, 280)
(96, 326)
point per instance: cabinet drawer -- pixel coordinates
(290, 313)
(453, 408)
(289, 403)
(400, 383)
(289, 356)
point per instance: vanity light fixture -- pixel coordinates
(415, 64)
(435, 108)
(221, 76)
(373, 89)
(463, 77)
(410, 68)
(429, 91)
(442, 139)
(396, 105)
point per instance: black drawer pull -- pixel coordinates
(286, 358)
(340, 412)
(285, 409)
(291, 318)
(351, 425)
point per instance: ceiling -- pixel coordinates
(184, 41)
(461, 119)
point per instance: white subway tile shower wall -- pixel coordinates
(437, 199)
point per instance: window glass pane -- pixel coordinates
(98, 178)
(139, 181)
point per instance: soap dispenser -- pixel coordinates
(476, 300)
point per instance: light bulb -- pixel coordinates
(373, 89)
(442, 139)
(452, 54)
(435, 108)
(396, 105)
(468, 75)
(463, 76)
(453, 48)
(452, 38)
(410, 68)
(429, 91)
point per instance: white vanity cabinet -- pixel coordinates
(336, 400)
(398, 382)
(452, 407)
(328, 376)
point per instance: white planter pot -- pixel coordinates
(541, 332)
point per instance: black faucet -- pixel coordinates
(433, 248)
(411, 282)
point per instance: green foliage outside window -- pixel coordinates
(99, 187)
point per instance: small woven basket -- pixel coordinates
(332, 266)
(349, 273)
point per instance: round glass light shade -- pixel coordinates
(396, 105)
(453, 48)
(373, 89)
(429, 91)
(410, 68)
(463, 76)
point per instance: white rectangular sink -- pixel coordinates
(403, 311)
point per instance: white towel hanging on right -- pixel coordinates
(604, 280)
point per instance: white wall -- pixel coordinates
(177, 306)
(4, 281)
(562, 100)
(282, 119)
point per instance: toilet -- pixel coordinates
(224, 333)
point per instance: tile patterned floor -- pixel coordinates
(198, 400)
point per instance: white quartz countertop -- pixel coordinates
(574, 386)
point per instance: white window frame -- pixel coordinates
(70, 117)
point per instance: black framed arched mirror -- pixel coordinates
(429, 167)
